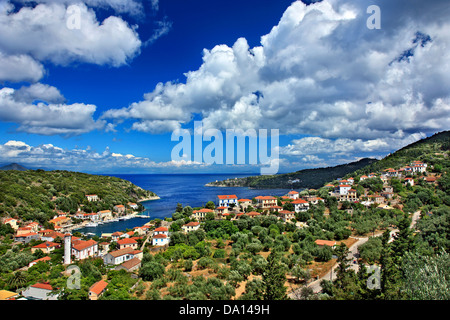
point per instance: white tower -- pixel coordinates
(67, 248)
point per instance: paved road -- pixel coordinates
(353, 254)
(331, 275)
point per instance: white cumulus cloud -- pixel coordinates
(48, 116)
(44, 33)
(321, 72)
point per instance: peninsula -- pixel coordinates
(307, 178)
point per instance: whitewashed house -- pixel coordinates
(105, 214)
(293, 194)
(160, 236)
(119, 256)
(300, 205)
(40, 291)
(419, 166)
(266, 202)
(191, 226)
(132, 205)
(92, 197)
(227, 200)
(409, 181)
(286, 215)
(84, 249)
(244, 203)
(343, 189)
(200, 215)
(160, 240)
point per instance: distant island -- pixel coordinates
(307, 178)
(14, 166)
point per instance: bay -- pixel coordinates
(187, 189)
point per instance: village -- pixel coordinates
(124, 250)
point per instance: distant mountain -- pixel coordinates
(307, 178)
(14, 166)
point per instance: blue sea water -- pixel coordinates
(187, 189)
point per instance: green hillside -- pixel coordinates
(308, 178)
(36, 194)
(431, 150)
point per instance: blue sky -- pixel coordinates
(107, 96)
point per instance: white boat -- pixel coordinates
(92, 224)
(113, 220)
(142, 216)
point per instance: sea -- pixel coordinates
(187, 189)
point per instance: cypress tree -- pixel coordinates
(274, 278)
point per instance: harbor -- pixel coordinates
(128, 222)
(116, 224)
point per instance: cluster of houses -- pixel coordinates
(230, 206)
(63, 222)
(344, 190)
(126, 255)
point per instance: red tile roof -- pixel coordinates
(45, 286)
(228, 196)
(131, 263)
(325, 242)
(126, 241)
(121, 252)
(44, 259)
(265, 198)
(298, 201)
(285, 212)
(23, 235)
(98, 287)
(81, 245)
(163, 229)
(192, 224)
(46, 244)
(203, 210)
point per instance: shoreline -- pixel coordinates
(250, 188)
(149, 199)
(135, 214)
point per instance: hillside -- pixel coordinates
(14, 166)
(307, 178)
(430, 150)
(36, 194)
